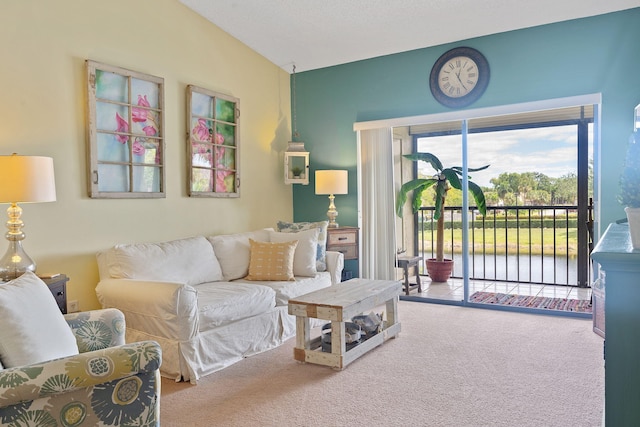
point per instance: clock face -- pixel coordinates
(459, 77)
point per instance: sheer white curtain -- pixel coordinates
(376, 204)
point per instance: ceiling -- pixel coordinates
(312, 34)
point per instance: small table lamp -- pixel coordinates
(332, 182)
(23, 179)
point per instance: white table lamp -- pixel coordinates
(332, 182)
(23, 179)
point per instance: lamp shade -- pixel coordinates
(332, 182)
(26, 179)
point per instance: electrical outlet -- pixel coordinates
(72, 306)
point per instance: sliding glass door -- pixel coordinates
(538, 190)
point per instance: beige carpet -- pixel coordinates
(450, 366)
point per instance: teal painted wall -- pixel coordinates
(592, 55)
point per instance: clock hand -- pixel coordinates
(458, 77)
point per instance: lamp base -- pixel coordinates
(15, 262)
(332, 213)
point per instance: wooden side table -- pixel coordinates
(343, 240)
(58, 287)
(406, 262)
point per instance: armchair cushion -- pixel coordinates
(33, 328)
(97, 329)
(113, 386)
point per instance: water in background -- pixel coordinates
(535, 269)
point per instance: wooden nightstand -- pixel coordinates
(58, 287)
(343, 240)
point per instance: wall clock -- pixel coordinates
(459, 77)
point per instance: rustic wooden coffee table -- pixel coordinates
(338, 304)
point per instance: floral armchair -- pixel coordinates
(108, 383)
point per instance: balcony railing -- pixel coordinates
(525, 244)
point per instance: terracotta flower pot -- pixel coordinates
(439, 271)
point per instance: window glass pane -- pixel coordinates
(146, 151)
(112, 117)
(110, 149)
(145, 122)
(226, 157)
(225, 181)
(113, 177)
(202, 155)
(225, 134)
(297, 165)
(144, 93)
(201, 129)
(111, 86)
(146, 179)
(202, 180)
(201, 105)
(225, 110)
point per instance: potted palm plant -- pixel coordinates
(629, 188)
(439, 268)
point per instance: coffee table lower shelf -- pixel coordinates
(338, 304)
(337, 360)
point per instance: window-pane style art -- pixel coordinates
(213, 145)
(126, 133)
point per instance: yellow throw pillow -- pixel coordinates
(271, 261)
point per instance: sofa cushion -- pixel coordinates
(304, 258)
(191, 261)
(220, 303)
(321, 226)
(232, 251)
(271, 261)
(285, 290)
(32, 328)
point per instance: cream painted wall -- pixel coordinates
(44, 45)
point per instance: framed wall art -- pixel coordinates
(125, 133)
(213, 123)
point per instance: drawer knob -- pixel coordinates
(342, 238)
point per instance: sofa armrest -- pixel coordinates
(97, 329)
(26, 383)
(164, 309)
(335, 265)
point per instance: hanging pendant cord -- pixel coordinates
(295, 128)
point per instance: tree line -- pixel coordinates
(523, 189)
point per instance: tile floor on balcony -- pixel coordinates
(452, 290)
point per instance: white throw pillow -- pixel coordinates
(32, 328)
(321, 226)
(191, 261)
(233, 251)
(304, 259)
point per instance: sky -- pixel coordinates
(551, 151)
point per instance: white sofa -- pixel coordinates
(192, 297)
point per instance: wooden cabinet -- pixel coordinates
(344, 240)
(620, 290)
(58, 287)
